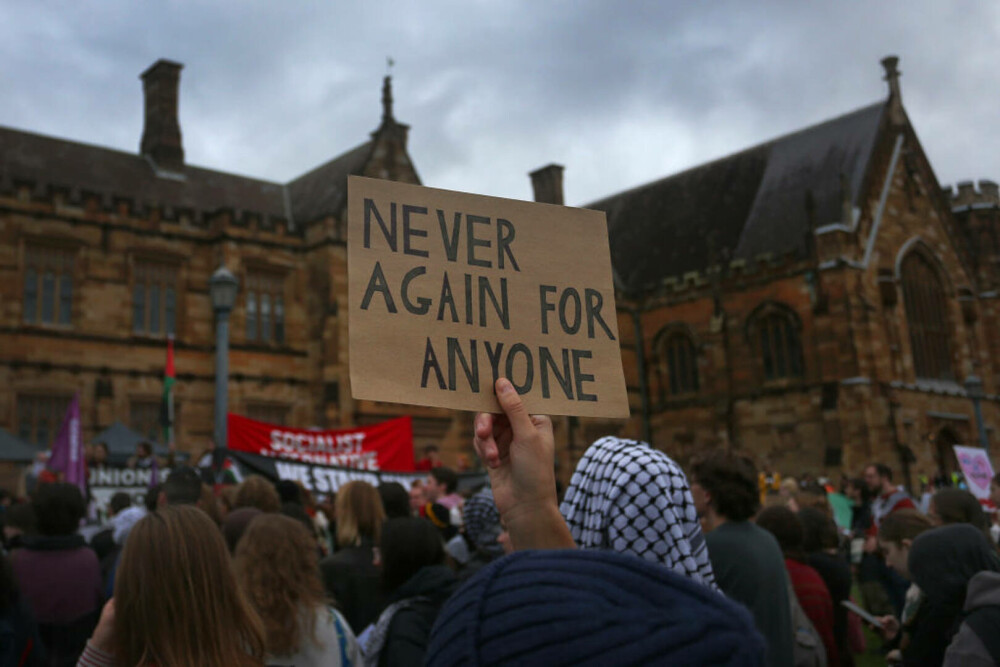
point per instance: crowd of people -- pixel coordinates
(639, 562)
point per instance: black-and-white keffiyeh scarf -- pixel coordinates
(482, 523)
(627, 497)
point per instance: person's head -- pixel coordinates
(417, 496)
(277, 567)
(724, 485)
(176, 598)
(298, 513)
(359, 514)
(819, 531)
(288, 492)
(143, 450)
(182, 487)
(784, 524)
(19, 520)
(119, 501)
(100, 453)
(653, 515)
(255, 491)
(896, 534)
(395, 500)
(878, 478)
(408, 545)
(210, 505)
(236, 523)
(858, 491)
(589, 607)
(58, 508)
(431, 453)
(941, 562)
(440, 483)
(440, 516)
(482, 524)
(953, 505)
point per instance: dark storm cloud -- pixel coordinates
(619, 92)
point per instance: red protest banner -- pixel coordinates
(385, 446)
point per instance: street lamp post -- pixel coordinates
(222, 288)
(974, 389)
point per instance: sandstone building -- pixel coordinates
(104, 253)
(818, 300)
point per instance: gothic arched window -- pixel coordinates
(774, 332)
(927, 318)
(678, 363)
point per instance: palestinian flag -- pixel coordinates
(167, 406)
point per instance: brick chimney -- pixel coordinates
(161, 133)
(548, 184)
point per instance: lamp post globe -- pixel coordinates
(222, 288)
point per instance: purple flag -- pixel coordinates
(67, 448)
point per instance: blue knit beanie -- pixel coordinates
(589, 607)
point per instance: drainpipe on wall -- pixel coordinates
(640, 351)
(905, 453)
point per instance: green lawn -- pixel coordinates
(872, 658)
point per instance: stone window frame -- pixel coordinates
(676, 340)
(926, 290)
(33, 405)
(774, 335)
(60, 257)
(163, 273)
(259, 281)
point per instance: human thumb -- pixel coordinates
(513, 407)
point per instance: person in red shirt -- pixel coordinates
(888, 499)
(810, 590)
(431, 460)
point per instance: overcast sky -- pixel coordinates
(620, 93)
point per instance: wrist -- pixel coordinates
(537, 525)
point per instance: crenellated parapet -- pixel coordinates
(966, 195)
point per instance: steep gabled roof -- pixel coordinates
(50, 162)
(323, 190)
(47, 161)
(749, 203)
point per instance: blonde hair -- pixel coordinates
(359, 514)
(277, 566)
(176, 598)
(255, 491)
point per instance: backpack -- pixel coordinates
(808, 650)
(985, 622)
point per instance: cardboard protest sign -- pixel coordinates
(449, 291)
(977, 469)
(385, 446)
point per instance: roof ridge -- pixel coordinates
(330, 161)
(138, 156)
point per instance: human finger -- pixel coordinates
(513, 407)
(484, 442)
